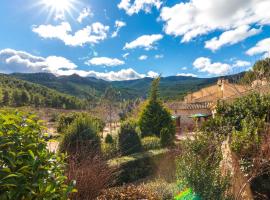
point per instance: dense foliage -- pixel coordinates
(27, 169)
(260, 71)
(154, 116)
(15, 92)
(128, 139)
(81, 137)
(198, 168)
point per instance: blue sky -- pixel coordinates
(130, 39)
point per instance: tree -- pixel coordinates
(128, 139)
(5, 100)
(154, 116)
(110, 97)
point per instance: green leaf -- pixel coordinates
(31, 153)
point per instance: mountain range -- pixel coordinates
(173, 87)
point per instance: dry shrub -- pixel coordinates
(130, 192)
(91, 173)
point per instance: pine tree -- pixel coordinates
(155, 116)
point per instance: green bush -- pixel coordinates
(154, 115)
(198, 167)
(109, 139)
(128, 139)
(167, 137)
(27, 169)
(66, 119)
(81, 136)
(150, 142)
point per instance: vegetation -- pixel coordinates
(128, 139)
(65, 120)
(260, 71)
(15, 92)
(81, 137)
(91, 89)
(198, 167)
(27, 169)
(150, 142)
(155, 116)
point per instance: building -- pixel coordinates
(197, 106)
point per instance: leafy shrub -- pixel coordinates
(27, 169)
(109, 139)
(128, 139)
(166, 137)
(150, 142)
(154, 115)
(198, 168)
(246, 143)
(81, 136)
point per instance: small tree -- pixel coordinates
(81, 137)
(109, 99)
(129, 141)
(154, 115)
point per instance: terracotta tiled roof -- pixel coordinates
(189, 106)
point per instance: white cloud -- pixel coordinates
(199, 17)
(19, 61)
(152, 74)
(241, 63)
(231, 37)
(204, 64)
(92, 34)
(118, 25)
(125, 55)
(159, 56)
(262, 47)
(139, 5)
(143, 57)
(104, 61)
(86, 12)
(187, 74)
(146, 41)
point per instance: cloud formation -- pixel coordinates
(262, 47)
(86, 12)
(204, 64)
(139, 5)
(19, 61)
(194, 18)
(118, 25)
(231, 37)
(105, 61)
(187, 74)
(91, 34)
(146, 41)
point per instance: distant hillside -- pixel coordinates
(88, 88)
(173, 87)
(16, 92)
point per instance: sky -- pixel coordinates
(130, 39)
